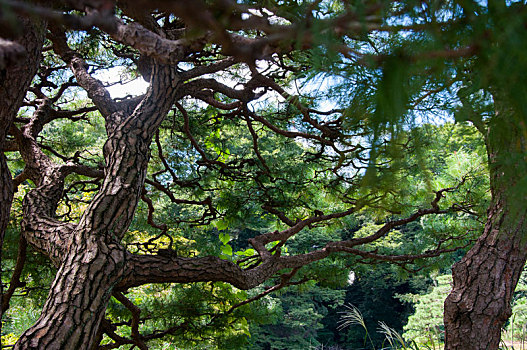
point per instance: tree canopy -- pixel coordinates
(277, 143)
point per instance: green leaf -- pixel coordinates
(221, 225)
(224, 238)
(247, 252)
(392, 96)
(244, 326)
(226, 250)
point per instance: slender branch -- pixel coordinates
(151, 210)
(255, 146)
(284, 282)
(136, 313)
(288, 133)
(17, 272)
(102, 19)
(260, 241)
(110, 331)
(193, 140)
(208, 69)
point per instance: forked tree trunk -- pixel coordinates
(88, 254)
(484, 280)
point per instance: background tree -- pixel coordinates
(426, 325)
(221, 139)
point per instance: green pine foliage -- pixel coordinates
(425, 325)
(299, 322)
(404, 109)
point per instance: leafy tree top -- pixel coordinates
(224, 138)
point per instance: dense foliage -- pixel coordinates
(286, 159)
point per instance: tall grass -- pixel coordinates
(513, 339)
(392, 339)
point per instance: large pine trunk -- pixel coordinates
(78, 299)
(90, 260)
(484, 280)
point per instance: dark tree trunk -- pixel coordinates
(484, 280)
(88, 254)
(14, 82)
(90, 260)
(78, 298)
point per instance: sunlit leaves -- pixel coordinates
(193, 310)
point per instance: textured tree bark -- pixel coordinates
(485, 279)
(90, 259)
(91, 262)
(14, 82)
(72, 313)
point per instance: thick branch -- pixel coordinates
(127, 154)
(145, 269)
(152, 45)
(95, 89)
(102, 19)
